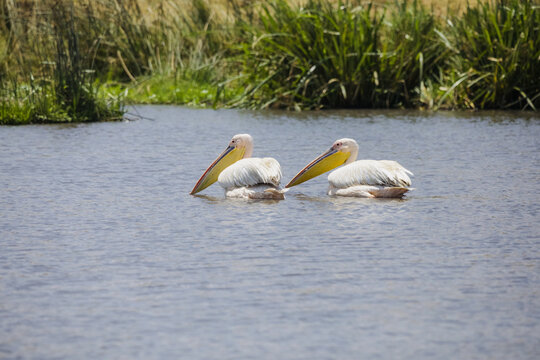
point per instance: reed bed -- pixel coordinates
(64, 61)
(46, 75)
(496, 55)
(356, 55)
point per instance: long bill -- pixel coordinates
(327, 161)
(210, 176)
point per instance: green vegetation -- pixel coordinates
(497, 55)
(61, 87)
(327, 56)
(64, 61)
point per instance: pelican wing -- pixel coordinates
(370, 172)
(250, 172)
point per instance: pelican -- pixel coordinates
(357, 178)
(241, 175)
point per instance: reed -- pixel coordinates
(196, 45)
(346, 55)
(496, 55)
(315, 56)
(326, 55)
(410, 56)
(53, 81)
(63, 60)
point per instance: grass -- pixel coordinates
(354, 55)
(168, 90)
(497, 54)
(39, 104)
(55, 84)
(411, 57)
(64, 61)
(317, 56)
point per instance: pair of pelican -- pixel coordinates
(258, 178)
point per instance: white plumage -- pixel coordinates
(251, 172)
(370, 172)
(241, 175)
(359, 178)
(367, 178)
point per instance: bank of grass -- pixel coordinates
(354, 55)
(496, 55)
(327, 56)
(63, 61)
(101, 54)
(47, 76)
(164, 89)
(41, 104)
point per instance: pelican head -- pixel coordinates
(240, 146)
(343, 151)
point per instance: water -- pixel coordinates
(103, 254)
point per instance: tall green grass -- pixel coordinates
(54, 56)
(412, 57)
(496, 55)
(54, 80)
(63, 60)
(316, 56)
(72, 71)
(326, 55)
(182, 55)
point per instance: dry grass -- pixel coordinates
(223, 10)
(440, 7)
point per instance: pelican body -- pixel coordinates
(357, 178)
(241, 175)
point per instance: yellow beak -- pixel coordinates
(331, 159)
(210, 176)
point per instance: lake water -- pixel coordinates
(105, 255)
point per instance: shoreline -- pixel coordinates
(74, 65)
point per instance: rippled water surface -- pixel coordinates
(103, 254)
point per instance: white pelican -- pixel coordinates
(241, 175)
(360, 178)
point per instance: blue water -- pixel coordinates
(105, 255)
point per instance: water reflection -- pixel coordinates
(223, 200)
(210, 199)
(337, 200)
